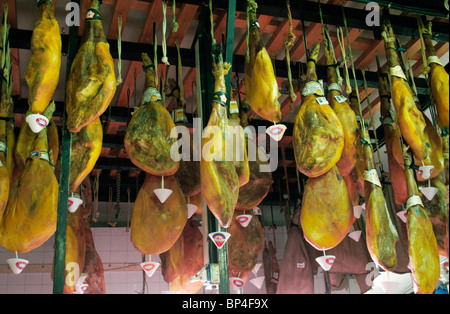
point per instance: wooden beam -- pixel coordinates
(184, 18)
(121, 9)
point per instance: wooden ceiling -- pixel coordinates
(138, 17)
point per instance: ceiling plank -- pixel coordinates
(184, 18)
(121, 9)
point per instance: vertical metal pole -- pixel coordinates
(66, 146)
(224, 287)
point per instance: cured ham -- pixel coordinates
(188, 174)
(244, 245)
(257, 188)
(260, 83)
(327, 210)
(393, 139)
(27, 137)
(147, 140)
(42, 74)
(219, 180)
(86, 149)
(156, 226)
(318, 134)
(7, 142)
(32, 202)
(345, 114)
(423, 250)
(184, 260)
(438, 77)
(92, 82)
(411, 121)
(436, 209)
(92, 265)
(381, 234)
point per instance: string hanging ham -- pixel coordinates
(260, 82)
(411, 121)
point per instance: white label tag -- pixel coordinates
(150, 94)
(340, 99)
(372, 176)
(178, 115)
(434, 59)
(322, 100)
(334, 86)
(301, 265)
(234, 109)
(398, 72)
(313, 88)
(413, 201)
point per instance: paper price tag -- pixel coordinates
(372, 176)
(413, 201)
(322, 100)
(234, 109)
(301, 265)
(178, 115)
(340, 99)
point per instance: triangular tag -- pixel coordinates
(219, 238)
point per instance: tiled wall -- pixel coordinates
(114, 247)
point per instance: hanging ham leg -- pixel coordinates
(260, 82)
(33, 202)
(188, 175)
(318, 133)
(147, 140)
(345, 114)
(327, 210)
(423, 250)
(438, 76)
(244, 245)
(184, 260)
(254, 192)
(92, 82)
(42, 73)
(219, 180)
(393, 137)
(156, 226)
(411, 121)
(86, 148)
(381, 234)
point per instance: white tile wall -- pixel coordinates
(114, 246)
